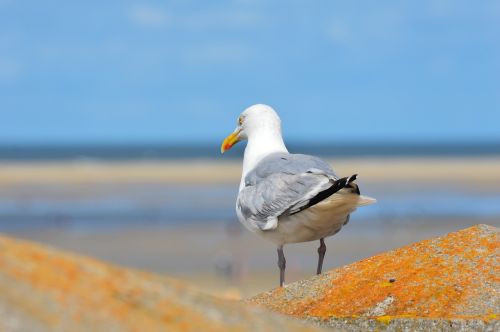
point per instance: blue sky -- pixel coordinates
(182, 71)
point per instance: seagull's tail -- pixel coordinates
(366, 200)
(363, 200)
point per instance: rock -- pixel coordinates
(446, 283)
(43, 289)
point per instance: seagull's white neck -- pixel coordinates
(260, 145)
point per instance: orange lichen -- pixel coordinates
(55, 288)
(384, 319)
(433, 278)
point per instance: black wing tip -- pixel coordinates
(352, 185)
(336, 186)
(352, 178)
(344, 182)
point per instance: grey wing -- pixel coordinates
(286, 194)
(289, 164)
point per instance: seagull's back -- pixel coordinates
(288, 163)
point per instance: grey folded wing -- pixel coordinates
(285, 184)
(289, 164)
(279, 194)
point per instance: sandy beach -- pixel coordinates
(482, 171)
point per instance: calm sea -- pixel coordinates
(186, 151)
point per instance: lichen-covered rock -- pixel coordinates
(450, 282)
(42, 289)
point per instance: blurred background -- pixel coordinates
(112, 114)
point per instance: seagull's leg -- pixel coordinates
(321, 253)
(281, 265)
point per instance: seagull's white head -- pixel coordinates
(257, 120)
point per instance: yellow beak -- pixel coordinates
(230, 140)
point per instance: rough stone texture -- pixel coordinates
(446, 283)
(42, 289)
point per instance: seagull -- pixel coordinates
(285, 197)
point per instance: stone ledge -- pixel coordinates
(44, 289)
(396, 324)
(448, 281)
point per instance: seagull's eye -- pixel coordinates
(240, 120)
